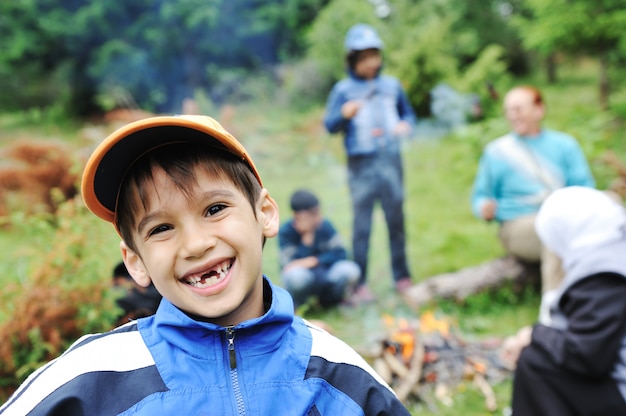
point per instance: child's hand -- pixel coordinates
(305, 262)
(513, 345)
(350, 108)
(402, 129)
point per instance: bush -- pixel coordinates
(59, 302)
(33, 173)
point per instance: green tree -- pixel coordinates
(594, 28)
(151, 53)
(32, 45)
(426, 42)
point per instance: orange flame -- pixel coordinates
(429, 323)
(402, 338)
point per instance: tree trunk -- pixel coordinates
(604, 81)
(462, 283)
(551, 68)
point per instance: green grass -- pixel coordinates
(293, 150)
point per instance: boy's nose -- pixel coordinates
(196, 242)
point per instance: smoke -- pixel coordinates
(159, 52)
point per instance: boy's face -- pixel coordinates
(368, 63)
(307, 221)
(203, 251)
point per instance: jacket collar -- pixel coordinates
(253, 337)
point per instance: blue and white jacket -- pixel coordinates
(384, 104)
(171, 364)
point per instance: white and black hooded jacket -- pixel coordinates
(582, 323)
(171, 364)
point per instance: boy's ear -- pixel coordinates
(269, 214)
(135, 266)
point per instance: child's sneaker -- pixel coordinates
(362, 295)
(403, 284)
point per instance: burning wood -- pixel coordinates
(427, 356)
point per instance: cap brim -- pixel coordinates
(106, 168)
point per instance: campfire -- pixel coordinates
(427, 358)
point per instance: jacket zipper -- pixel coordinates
(234, 377)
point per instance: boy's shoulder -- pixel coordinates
(124, 347)
(90, 361)
(388, 78)
(326, 224)
(328, 350)
(331, 348)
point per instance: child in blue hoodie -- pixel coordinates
(313, 259)
(374, 114)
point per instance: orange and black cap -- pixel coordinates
(107, 167)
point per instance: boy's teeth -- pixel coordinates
(207, 279)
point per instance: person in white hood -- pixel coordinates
(575, 363)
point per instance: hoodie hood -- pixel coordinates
(574, 222)
(360, 37)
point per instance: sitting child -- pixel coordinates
(135, 301)
(313, 258)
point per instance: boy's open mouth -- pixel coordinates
(209, 278)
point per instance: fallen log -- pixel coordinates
(462, 283)
(485, 388)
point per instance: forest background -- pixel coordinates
(264, 70)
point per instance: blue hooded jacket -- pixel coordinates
(383, 103)
(171, 364)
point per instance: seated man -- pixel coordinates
(575, 361)
(313, 258)
(519, 170)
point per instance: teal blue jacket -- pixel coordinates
(519, 172)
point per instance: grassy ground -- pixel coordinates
(293, 150)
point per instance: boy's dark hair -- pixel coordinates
(352, 57)
(303, 200)
(178, 161)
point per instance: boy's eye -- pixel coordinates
(215, 209)
(159, 229)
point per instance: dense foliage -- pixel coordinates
(587, 27)
(145, 52)
(87, 55)
(56, 303)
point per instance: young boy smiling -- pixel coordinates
(193, 215)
